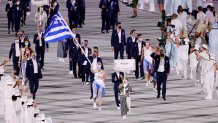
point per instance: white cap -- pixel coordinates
(29, 101)
(24, 99)
(186, 41)
(212, 57)
(16, 92)
(204, 46)
(36, 111)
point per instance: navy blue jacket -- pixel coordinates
(88, 66)
(115, 8)
(116, 79)
(17, 11)
(13, 50)
(36, 42)
(135, 49)
(115, 39)
(106, 3)
(129, 44)
(30, 69)
(72, 9)
(74, 51)
(157, 62)
(82, 57)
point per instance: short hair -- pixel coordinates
(86, 40)
(118, 23)
(132, 31)
(95, 48)
(180, 9)
(200, 8)
(139, 35)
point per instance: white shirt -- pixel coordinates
(140, 47)
(201, 17)
(178, 25)
(184, 52)
(133, 39)
(183, 19)
(86, 52)
(35, 66)
(94, 64)
(118, 74)
(40, 39)
(17, 48)
(119, 35)
(161, 65)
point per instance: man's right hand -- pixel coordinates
(113, 49)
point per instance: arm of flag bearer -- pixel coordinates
(58, 30)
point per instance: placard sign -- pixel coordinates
(124, 65)
(40, 2)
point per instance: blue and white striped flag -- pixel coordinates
(57, 30)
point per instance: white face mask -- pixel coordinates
(10, 2)
(16, 41)
(26, 44)
(99, 66)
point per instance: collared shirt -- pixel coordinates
(35, 66)
(140, 47)
(161, 65)
(94, 64)
(17, 48)
(133, 39)
(119, 36)
(118, 74)
(40, 39)
(86, 52)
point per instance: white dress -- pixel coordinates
(213, 40)
(17, 107)
(193, 65)
(168, 6)
(9, 105)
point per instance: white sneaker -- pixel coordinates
(59, 59)
(146, 84)
(124, 117)
(70, 72)
(87, 83)
(94, 106)
(118, 108)
(62, 59)
(208, 98)
(99, 108)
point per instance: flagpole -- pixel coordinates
(76, 43)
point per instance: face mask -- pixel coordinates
(120, 27)
(34, 57)
(10, 2)
(18, 3)
(161, 55)
(99, 66)
(26, 44)
(140, 39)
(94, 55)
(85, 44)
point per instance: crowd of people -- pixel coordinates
(153, 63)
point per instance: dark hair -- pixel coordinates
(139, 35)
(14, 98)
(86, 40)
(180, 9)
(95, 48)
(118, 23)
(132, 31)
(200, 8)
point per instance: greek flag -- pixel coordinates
(57, 30)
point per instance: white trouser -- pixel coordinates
(187, 4)
(141, 2)
(183, 68)
(152, 6)
(208, 81)
(168, 6)
(128, 100)
(176, 4)
(193, 73)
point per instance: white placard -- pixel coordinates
(124, 65)
(40, 2)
